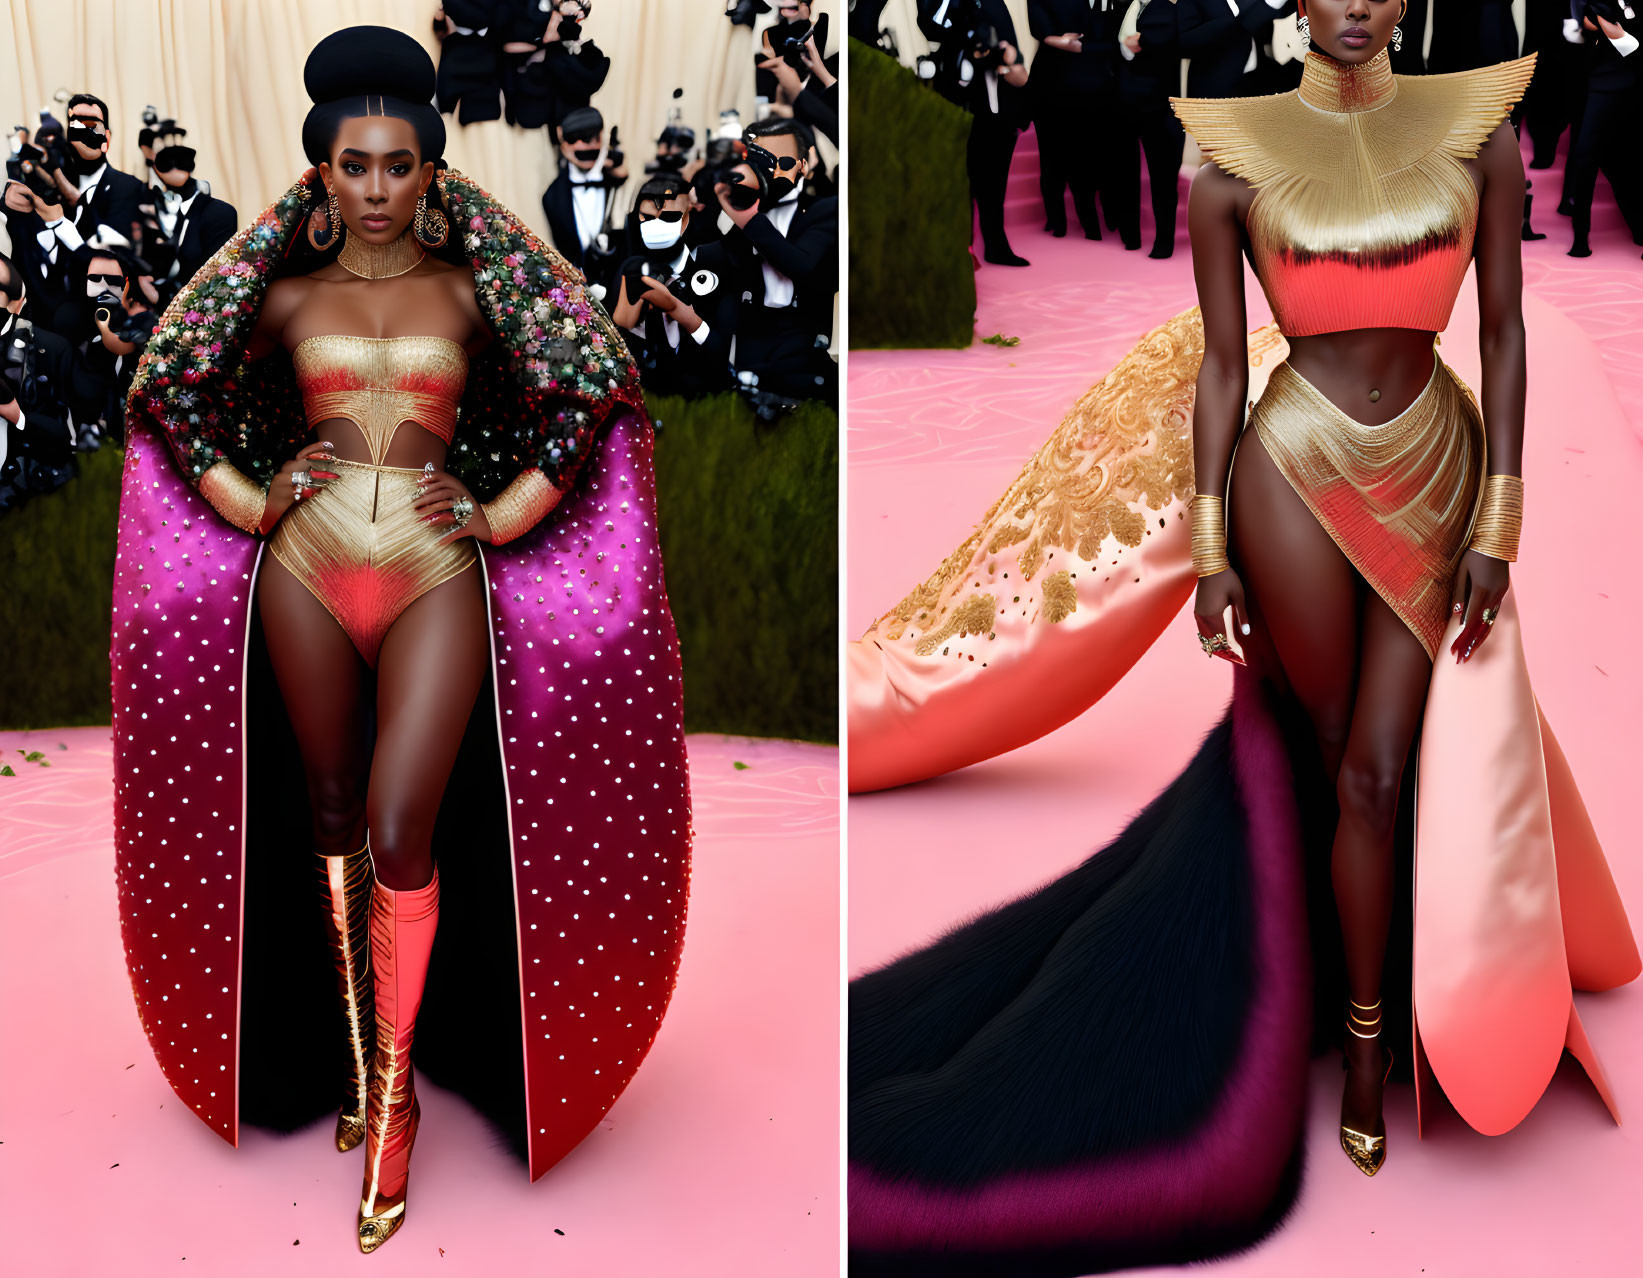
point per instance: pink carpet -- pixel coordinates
(936, 435)
(720, 1158)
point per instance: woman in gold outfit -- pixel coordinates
(1111, 1070)
(332, 382)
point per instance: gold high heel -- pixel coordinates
(1366, 1151)
(402, 938)
(347, 886)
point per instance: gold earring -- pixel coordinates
(430, 226)
(325, 225)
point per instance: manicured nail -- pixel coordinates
(1246, 627)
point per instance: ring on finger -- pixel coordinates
(1489, 616)
(1211, 644)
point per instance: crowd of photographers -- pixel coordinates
(722, 267)
(94, 256)
(1098, 87)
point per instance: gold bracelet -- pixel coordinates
(1209, 534)
(1500, 517)
(237, 497)
(520, 506)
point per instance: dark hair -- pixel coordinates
(661, 189)
(362, 71)
(776, 126)
(88, 99)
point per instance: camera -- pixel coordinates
(787, 40)
(570, 29)
(980, 44)
(29, 166)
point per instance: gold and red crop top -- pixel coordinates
(379, 382)
(1364, 213)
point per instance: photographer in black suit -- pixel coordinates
(549, 66)
(113, 319)
(786, 248)
(92, 198)
(1227, 43)
(791, 68)
(978, 66)
(36, 375)
(470, 59)
(677, 303)
(190, 224)
(1149, 72)
(579, 202)
(1605, 135)
(1073, 92)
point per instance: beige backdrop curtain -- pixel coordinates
(230, 71)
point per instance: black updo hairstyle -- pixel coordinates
(362, 71)
(370, 71)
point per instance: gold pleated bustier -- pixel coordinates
(379, 382)
(1364, 213)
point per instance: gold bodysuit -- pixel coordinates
(1364, 216)
(358, 544)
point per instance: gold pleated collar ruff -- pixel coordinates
(1342, 88)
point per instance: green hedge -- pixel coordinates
(56, 598)
(750, 545)
(911, 279)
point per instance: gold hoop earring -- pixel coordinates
(431, 227)
(1397, 39)
(325, 224)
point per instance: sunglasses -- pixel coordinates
(113, 281)
(667, 215)
(583, 137)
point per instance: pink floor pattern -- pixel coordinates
(720, 1158)
(935, 436)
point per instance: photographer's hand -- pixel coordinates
(741, 217)
(18, 198)
(787, 79)
(146, 284)
(1612, 29)
(47, 212)
(11, 411)
(825, 79)
(113, 340)
(1015, 71)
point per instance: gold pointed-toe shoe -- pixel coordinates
(1366, 1151)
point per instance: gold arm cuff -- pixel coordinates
(237, 497)
(1500, 517)
(1209, 534)
(520, 506)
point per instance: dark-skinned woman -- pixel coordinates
(1112, 1070)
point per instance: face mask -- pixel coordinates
(779, 188)
(586, 154)
(659, 235)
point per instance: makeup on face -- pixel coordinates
(376, 175)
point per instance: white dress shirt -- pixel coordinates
(778, 288)
(63, 232)
(588, 198)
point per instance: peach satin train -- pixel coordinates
(1077, 569)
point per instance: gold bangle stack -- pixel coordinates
(238, 498)
(520, 506)
(1500, 517)
(1209, 534)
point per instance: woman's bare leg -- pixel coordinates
(323, 682)
(429, 671)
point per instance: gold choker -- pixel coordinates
(380, 261)
(1342, 88)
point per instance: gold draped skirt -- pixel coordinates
(362, 549)
(1399, 498)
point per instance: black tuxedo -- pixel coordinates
(38, 370)
(1146, 124)
(559, 206)
(786, 346)
(538, 94)
(1605, 133)
(993, 129)
(470, 66)
(1218, 43)
(208, 224)
(711, 284)
(114, 204)
(1071, 93)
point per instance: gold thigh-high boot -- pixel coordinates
(402, 938)
(347, 886)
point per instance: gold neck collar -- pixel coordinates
(1334, 86)
(380, 261)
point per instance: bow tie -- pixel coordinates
(173, 201)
